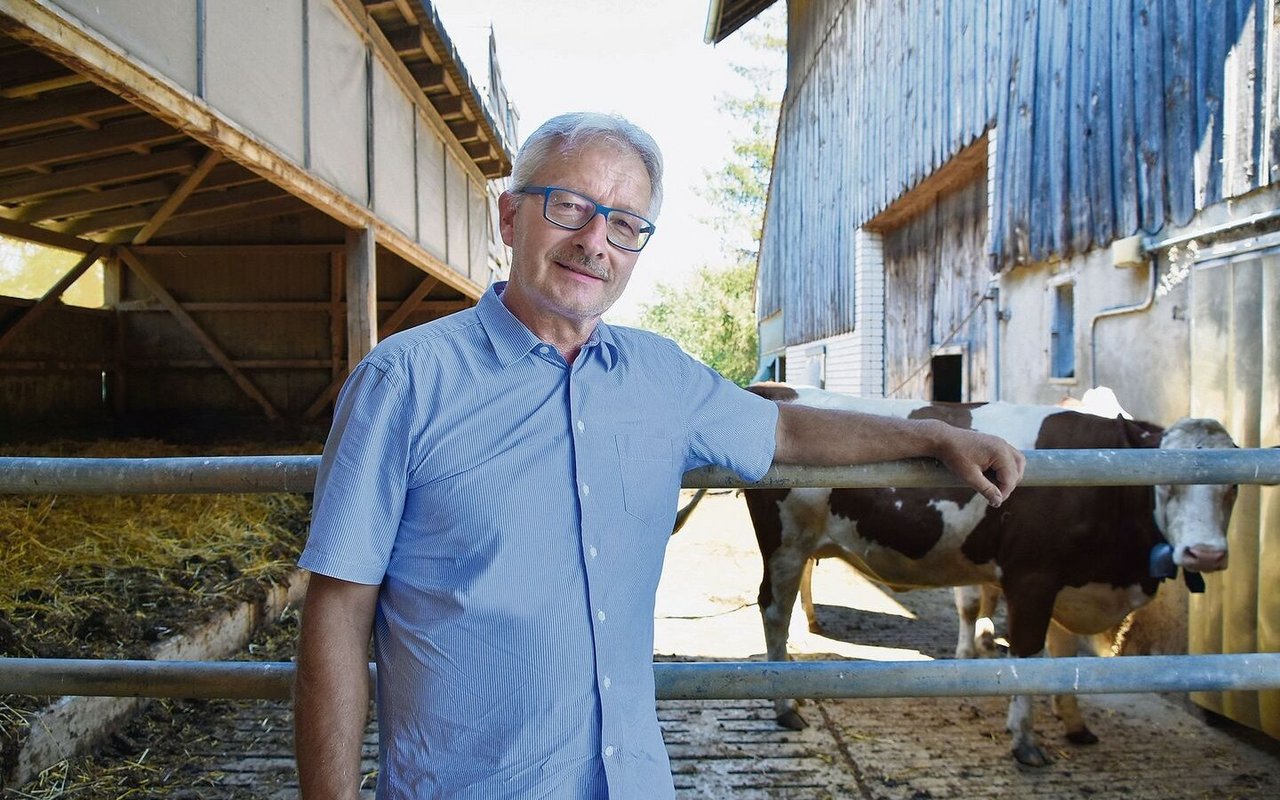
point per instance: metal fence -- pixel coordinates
(256, 474)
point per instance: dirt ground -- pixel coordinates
(897, 749)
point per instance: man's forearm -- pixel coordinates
(331, 688)
(824, 437)
(331, 707)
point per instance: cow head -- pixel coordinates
(1194, 517)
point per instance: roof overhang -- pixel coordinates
(726, 16)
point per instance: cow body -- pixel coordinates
(1069, 560)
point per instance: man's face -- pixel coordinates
(559, 275)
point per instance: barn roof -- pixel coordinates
(81, 160)
(726, 16)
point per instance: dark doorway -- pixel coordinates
(948, 378)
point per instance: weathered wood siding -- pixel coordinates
(54, 374)
(935, 278)
(1111, 117)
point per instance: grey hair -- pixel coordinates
(567, 132)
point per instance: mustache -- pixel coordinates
(581, 262)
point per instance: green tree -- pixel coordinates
(712, 315)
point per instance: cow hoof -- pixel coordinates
(792, 720)
(1031, 755)
(1082, 736)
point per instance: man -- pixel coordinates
(496, 495)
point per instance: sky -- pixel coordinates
(645, 61)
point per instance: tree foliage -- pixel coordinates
(712, 316)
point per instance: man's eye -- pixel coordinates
(623, 225)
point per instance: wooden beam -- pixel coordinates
(407, 41)
(448, 106)
(120, 168)
(238, 249)
(37, 26)
(428, 76)
(419, 293)
(30, 233)
(205, 203)
(81, 203)
(85, 203)
(184, 190)
(362, 294)
(479, 149)
(465, 130)
(16, 117)
(192, 327)
(51, 297)
(238, 214)
(411, 303)
(38, 87)
(110, 139)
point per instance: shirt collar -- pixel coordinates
(511, 340)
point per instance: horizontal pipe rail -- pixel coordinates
(703, 681)
(258, 474)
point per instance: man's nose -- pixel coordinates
(593, 237)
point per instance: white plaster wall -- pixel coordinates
(1143, 356)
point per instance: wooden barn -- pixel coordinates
(1025, 199)
(270, 188)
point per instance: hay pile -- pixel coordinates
(109, 577)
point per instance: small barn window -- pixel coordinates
(1062, 333)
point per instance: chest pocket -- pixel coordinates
(646, 474)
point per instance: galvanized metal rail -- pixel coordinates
(259, 474)
(702, 681)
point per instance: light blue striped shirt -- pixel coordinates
(515, 510)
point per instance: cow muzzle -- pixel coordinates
(1203, 558)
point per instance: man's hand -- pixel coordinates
(972, 456)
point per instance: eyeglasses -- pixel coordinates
(572, 211)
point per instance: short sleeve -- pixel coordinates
(361, 483)
(728, 426)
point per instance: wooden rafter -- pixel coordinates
(26, 115)
(192, 327)
(184, 190)
(113, 138)
(30, 233)
(113, 170)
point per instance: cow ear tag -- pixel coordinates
(1194, 581)
(1161, 564)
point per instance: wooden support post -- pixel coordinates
(412, 302)
(362, 294)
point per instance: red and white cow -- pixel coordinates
(1079, 557)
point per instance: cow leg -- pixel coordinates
(975, 606)
(1030, 608)
(1021, 723)
(1063, 643)
(806, 595)
(783, 576)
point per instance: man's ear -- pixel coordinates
(507, 205)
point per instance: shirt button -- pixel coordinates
(581, 427)
(600, 616)
(593, 552)
(608, 752)
(586, 490)
(607, 682)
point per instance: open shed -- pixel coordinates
(270, 189)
